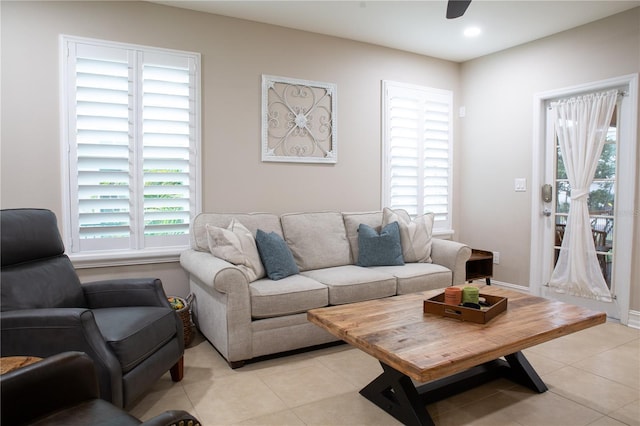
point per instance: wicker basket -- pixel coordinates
(185, 315)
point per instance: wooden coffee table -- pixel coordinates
(445, 354)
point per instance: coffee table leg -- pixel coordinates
(522, 372)
(395, 393)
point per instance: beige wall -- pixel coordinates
(235, 54)
(494, 140)
(496, 134)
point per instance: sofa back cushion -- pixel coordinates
(351, 223)
(317, 240)
(252, 221)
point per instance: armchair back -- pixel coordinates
(35, 272)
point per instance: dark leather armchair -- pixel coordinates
(126, 326)
(62, 390)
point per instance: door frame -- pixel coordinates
(540, 225)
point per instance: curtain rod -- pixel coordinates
(553, 101)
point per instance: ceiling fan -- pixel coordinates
(456, 8)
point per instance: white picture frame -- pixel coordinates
(299, 120)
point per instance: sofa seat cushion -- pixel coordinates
(317, 240)
(135, 333)
(351, 283)
(414, 277)
(290, 295)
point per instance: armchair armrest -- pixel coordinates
(173, 418)
(62, 381)
(125, 292)
(452, 255)
(45, 332)
(133, 293)
(58, 381)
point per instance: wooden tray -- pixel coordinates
(436, 305)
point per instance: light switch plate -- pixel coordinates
(520, 184)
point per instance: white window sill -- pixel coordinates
(125, 257)
(445, 234)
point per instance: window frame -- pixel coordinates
(129, 256)
(441, 228)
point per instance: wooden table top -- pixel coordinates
(10, 363)
(426, 347)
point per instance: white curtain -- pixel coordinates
(581, 126)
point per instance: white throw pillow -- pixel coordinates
(415, 235)
(236, 245)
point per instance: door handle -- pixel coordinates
(547, 193)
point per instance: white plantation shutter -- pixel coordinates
(132, 117)
(100, 117)
(417, 146)
(167, 138)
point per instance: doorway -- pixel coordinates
(611, 198)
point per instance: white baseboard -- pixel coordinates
(634, 319)
(517, 287)
(634, 316)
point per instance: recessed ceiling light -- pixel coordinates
(472, 32)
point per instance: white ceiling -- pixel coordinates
(421, 26)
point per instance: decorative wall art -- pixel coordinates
(298, 120)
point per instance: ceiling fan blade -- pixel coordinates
(456, 8)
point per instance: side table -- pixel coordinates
(480, 265)
(10, 363)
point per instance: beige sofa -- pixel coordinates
(244, 319)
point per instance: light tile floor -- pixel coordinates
(593, 378)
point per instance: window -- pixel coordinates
(417, 146)
(131, 136)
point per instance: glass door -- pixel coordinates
(611, 197)
(601, 202)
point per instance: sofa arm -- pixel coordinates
(452, 255)
(214, 272)
(125, 292)
(222, 303)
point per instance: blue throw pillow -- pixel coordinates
(383, 249)
(275, 255)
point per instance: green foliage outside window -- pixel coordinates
(602, 193)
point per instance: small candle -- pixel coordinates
(453, 296)
(470, 294)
